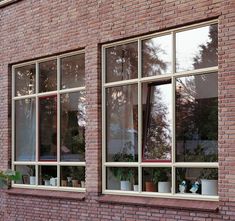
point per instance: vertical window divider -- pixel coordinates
(58, 121)
(103, 123)
(139, 117)
(173, 190)
(37, 124)
(13, 120)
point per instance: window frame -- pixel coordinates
(37, 95)
(152, 79)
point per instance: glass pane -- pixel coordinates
(73, 71)
(47, 128)
(48, 175)
(122, 178)
(157, 179)
(156, 56)
(72, 176)
(157, 121)
(122, 123)
(47, 76)
(25, 80)
(27, 173)
(197, 48)
(73, 123)
(197, 118)
(25, 126)
(122, 62)
(197, 181)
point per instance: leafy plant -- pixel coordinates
(160, 174)
(209, 174)
(7, 176)
(46, 177)
(78, 173)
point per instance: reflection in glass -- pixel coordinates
(197, 180)
(156, 56)
(47, 76)
(72, 176)
(122, 62)
(28, 176)
(157, 121)
(47, 128)
(197, 48)
(25, 80)
(73, 122)
(122, 123)
(73, 71)
(48, 175)
(122, 178)
(25, 126)
(197, 118)
(157, 179)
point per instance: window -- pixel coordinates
(160, 114)
(49, 120)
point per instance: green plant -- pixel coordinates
(78, 173)
(46, 177)
(7, 176)
(209, 174)
(160, 174)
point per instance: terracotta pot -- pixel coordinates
(150, 187)
(75, 183)
(63, 182)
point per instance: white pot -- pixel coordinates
(209, 187)
(47, 182)
(125, 185)
(83, 184)
(164, 187)
(32, 180)
(136, 188)
(53, 181)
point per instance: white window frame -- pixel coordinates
(139, 80)
(37, 95)
(6, 2)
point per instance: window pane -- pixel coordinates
(122, 178)
(122, 62)
(48, 175)
(197, 48)
(25, 80)
(197, 118)
(47, 128)
(122, 123)
(73, 71)
(47, 76)
(156, 55)
(157, 121)
(25, 125)
(72, 176)
(27, 173)
(157, 179)
(197, 181)
(73, 122)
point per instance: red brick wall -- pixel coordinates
(34, 28)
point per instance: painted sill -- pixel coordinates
(181, 204)
(47, 193)
(6, 2)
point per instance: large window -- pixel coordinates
(49, 120)
(160, 114)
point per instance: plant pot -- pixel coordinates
(136, 188)
(75, 183)
(83, 184)
(164, 187)
(209, 187)
(53, 181)
(47, 182)
(125, 185)
(32, 180)
(150, 186)
(63, 182)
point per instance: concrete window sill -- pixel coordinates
(47, 193)
(161, 203)
(6, 2)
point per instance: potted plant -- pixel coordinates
(7, 176)
(64, 180)
(46, 178)
(78, 177)
(209, 182)
(32, 177)
(161, 177)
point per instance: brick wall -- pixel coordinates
(34, 28)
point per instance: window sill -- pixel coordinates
(47, 193)
(6, 2)
(160, 202)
